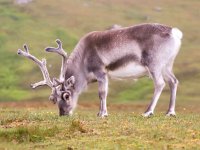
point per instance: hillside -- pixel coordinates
(39, 23)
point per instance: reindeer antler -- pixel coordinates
(42, 65)
(61, 52)
(58, 50)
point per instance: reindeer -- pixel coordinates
(129, 52)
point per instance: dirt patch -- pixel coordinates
(15, 123)
(81, 105)
(26, 104)
(90, 105)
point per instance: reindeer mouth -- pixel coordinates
(64, 109)
(65, 113)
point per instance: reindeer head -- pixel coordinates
(63, 94)
(62, 90)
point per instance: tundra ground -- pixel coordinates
(36, 125)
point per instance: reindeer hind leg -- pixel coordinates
(173, 84)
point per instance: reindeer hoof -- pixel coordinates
(147, 114)
(102, 114)
(171, 114)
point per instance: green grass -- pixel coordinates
(124, 129)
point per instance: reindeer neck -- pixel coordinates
(74, 68)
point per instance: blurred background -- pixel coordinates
(39, 22)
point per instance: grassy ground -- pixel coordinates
(38, 126)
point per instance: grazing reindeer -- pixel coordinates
(131, 52)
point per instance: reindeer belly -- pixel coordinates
(130, 70)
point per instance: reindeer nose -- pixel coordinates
(65, 113)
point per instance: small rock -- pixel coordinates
(115, 26)
(20, 2)
(157, 8)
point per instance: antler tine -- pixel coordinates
(42, 65)
(26, 48)
(61, 52)
(58, 50)
(59, 43)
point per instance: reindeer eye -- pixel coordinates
(67, 96)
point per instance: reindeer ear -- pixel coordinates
(71, 80)
(66, 96)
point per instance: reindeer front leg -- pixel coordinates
(103, 91)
